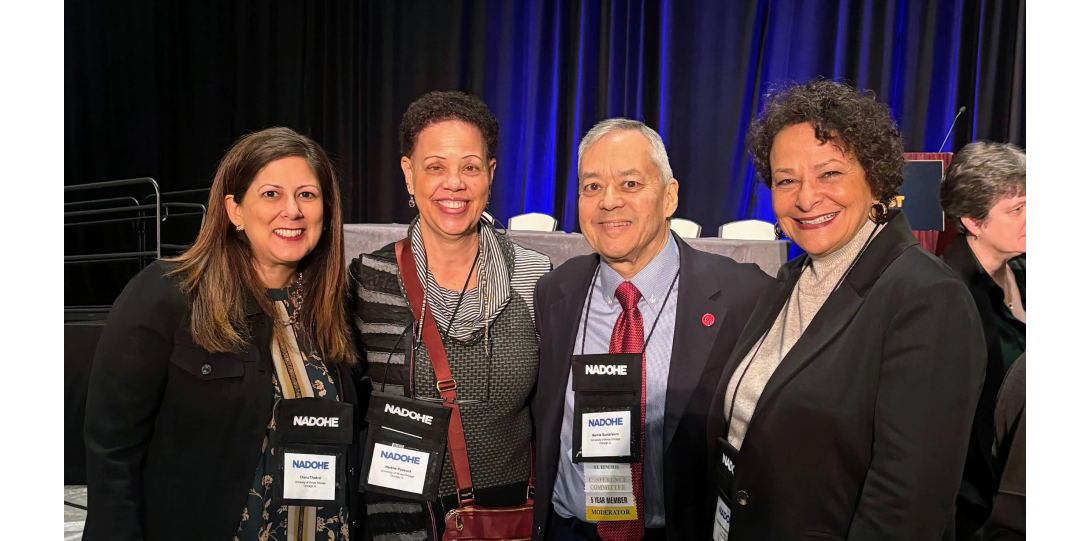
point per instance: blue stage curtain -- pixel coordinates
(161, 89)
(696, 71)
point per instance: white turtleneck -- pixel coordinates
(813, 288)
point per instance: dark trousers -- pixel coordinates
(573, 529)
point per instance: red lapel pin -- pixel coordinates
(708, 320)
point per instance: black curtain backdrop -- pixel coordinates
(161, 89)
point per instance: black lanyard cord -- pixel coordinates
(590, 299)
(386, 369)
(742, 377)
(462, 295)
(418, 331)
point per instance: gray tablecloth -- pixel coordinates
(74, 517)
(559, 246)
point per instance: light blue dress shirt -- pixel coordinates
(654, 282)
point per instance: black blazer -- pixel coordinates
(172, 450)
(709, 284)
(861, 431)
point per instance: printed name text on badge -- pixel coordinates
(722, 521)
(398, 469)
(607, 434)
(310, 477)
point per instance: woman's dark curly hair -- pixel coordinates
(435, 107)
(854, 121)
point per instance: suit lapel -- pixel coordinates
(839, 309)
(698, 294)
(767, 310)
(565, 316)
(828, 323)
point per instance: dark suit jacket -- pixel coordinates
(861, 430)
(709, 284)
(171, 451)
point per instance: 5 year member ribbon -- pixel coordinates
(608, 489)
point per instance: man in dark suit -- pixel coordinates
(644, 291)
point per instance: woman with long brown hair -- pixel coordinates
(203, 354)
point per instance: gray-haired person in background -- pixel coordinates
(984, 194)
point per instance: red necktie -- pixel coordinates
(628, 338)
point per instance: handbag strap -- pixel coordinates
(533, 466)
(445, 384)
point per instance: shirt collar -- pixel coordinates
(653, 281)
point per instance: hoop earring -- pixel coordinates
(879, 212)
(779, 232)
(412, 201)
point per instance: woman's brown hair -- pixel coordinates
(218, 273)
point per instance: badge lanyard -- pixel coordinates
(615, 424)
(311, 443)
(741, 378)
(403, 453)
(590, 299)
(417, 337)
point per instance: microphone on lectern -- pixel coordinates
(952, 124)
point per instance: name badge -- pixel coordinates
(310, 445)
(608, 490)
(607, 434)
(310, 476)
(722, 520)
(403, 450)
(399, 469)
(724, 480)
(606, 420)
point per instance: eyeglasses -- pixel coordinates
(442, 386)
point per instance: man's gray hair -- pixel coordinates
(610, 125)
(979, 176)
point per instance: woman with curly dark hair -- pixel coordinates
(844, 411)
(446, 326)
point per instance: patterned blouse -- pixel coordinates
(298, 362)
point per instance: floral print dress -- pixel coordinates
(299, 364)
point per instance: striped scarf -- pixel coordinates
(493, 278)
(294, 383)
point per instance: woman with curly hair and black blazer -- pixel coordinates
(844, 411)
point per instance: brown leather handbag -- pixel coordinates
(468, 521)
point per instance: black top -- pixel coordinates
(174, 432)
(1005, 337)
(859, 432)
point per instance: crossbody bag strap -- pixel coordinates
(445, 384)
(533, 467)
